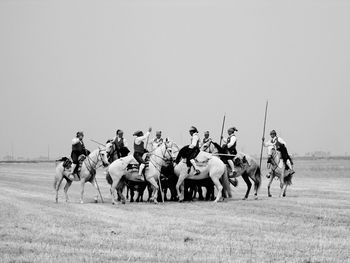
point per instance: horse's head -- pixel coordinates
(103, 157)
(169, 150)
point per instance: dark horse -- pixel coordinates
(245, 166)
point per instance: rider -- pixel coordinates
(78, 149)
(120, 143)
(230, 145)
(139, 148)
(193, 150)
(281, 146)
(205, 144)
(158, 140)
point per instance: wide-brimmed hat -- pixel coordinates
(232, 129)
(193, 129)
(138, 133)
(80, 133)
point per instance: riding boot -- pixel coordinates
(290, 166)
(197, 172)
(233, 172)
(72, 169)
(142, 166)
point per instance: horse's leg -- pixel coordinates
(66, 187)
(94, 183)
(131, 190)
(282, 183)
(57, 186)
(179, 183)
(82, 185)
(285, 191)
(200, 193)
(219, 187)
(249, 184)
(155, 189)
(269, 185)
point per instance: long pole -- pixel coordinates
(263, 136)
(222, 128)
(98, 188)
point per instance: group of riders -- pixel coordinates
(120, 148)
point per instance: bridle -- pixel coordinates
(163, 157)
(93, 164)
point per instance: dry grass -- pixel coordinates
(310, 225)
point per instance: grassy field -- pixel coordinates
(312, 224)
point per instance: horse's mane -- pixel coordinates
(218, 147)
(182, 154)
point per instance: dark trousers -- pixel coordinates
(138, 157)
(192, 153)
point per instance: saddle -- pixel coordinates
(134, 167)
(67, 163)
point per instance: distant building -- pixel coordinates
(8, 158)
(318, 154)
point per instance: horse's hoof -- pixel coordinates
(244, 198)
(284, 195)
(155, 202)
(123, 202)
(95, 201)
(269, 195)
(181, 200)
(256, 198)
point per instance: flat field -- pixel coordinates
(311, 224)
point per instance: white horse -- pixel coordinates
(278, 169)
(158, 158)
(87, 173)
(209, 166)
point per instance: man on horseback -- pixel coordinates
(139, 148)
(230, 147)
(193, 150)
(78, 149)
(280, 145)
(205, 145)
(120, 145)
(158, 140)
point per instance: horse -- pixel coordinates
(278, 169)
(87, 172)
(209, 166)
(245, 166)
(158, 158)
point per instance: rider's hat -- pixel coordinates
(138, 133)
(207, 132)
(193, 129)
(232, 129)
(273, 132)
(158, 133)
(80, 133)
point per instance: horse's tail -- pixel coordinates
(109, 178)
(288, 179)
(226, 183)
(257, 178)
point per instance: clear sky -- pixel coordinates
(98, 66)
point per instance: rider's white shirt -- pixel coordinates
(273, 142)
(138, 140)
(232, 142)
(195, 139)
(75, 141)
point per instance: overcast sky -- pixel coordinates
(99, 66)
